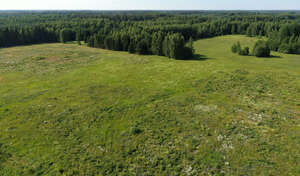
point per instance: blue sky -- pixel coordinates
(152, 4)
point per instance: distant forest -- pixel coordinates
(165, 33)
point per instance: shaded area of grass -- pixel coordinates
(199, 57)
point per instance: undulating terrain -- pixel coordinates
(67, 109)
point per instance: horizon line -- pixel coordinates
(149, 9)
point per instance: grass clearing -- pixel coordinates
(73, 110)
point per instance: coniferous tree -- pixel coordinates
(238, 47)
(234, 48)
(66, 35)
(78, 37)
(166, 46)
(131, 47)
(142, 47)
(157, 43)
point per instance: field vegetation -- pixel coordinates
(68, 109)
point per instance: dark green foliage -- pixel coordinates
(274, 41)
(190, 45)
(261, 49)
(25, 36)
(131, 48)
(108, 42)
(244, 51)
(125, 41)
(66, 35)
(142, 47)
(284, 48)
(189, 50)
(234, 48)
(286, 39)
(256, 29)
(174, 47)
(91, 42)
(157, 43)
(237, 48)
(289, 48)
(78, 38)
(115, 31)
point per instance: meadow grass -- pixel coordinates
(72, 110)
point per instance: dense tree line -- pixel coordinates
(286, 39)
(172, 45)
(159, 33)
(24, 36)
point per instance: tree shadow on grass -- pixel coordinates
(272, 56)
(198, 57)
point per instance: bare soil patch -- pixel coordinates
(52, 59)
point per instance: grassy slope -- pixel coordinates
(73, 110)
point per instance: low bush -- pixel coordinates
(244, 51)
(237, 48)
(261, 49)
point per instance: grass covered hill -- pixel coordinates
(72, 110)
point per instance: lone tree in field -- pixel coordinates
(261, 49)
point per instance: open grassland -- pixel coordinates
(72, 110)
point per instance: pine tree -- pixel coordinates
(131, 47)
(234, 48)
(191, 44)
(78, 37)
(238, 47)
(166, 50)
(157, 43)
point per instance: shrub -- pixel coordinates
(236, 48)
(261, 49)
(244, 52)
(135, 130)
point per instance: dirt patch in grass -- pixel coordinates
(1, 78)
(52, 59)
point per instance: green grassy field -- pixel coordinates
(72, 110)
